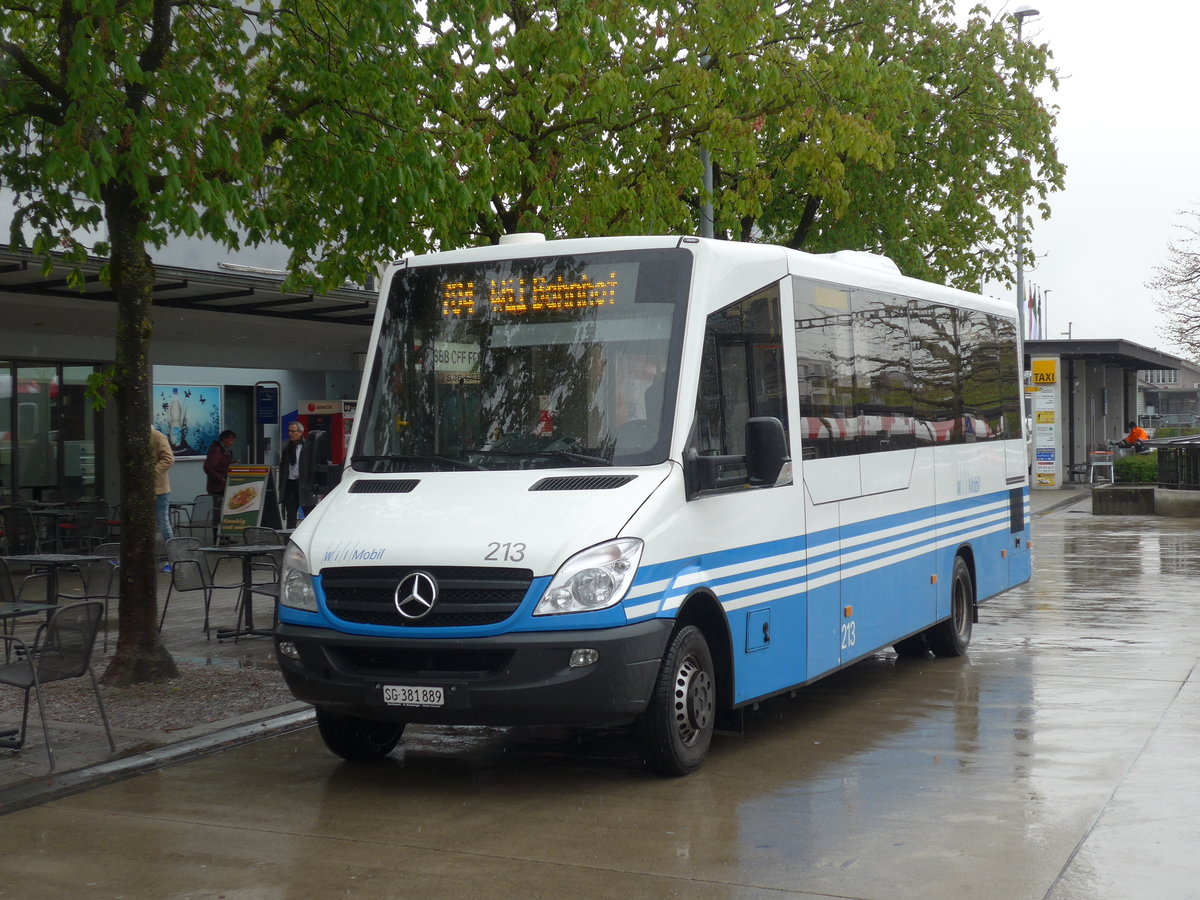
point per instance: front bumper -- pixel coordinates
(510, 679)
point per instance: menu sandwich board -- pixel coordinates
(250, 499)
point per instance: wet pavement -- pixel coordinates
(1057, 760)
(80, 747)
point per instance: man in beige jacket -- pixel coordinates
(163, 460)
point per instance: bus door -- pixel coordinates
(753, 533)
(1016, 444)
(824, 607)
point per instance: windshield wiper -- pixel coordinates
(582, 458)
(437, 461)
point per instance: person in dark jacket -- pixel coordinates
(216, 467)
(296, 463)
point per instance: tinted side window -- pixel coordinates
(980, 376)
(877, 372)
(937, 373)
(741, 372)
(825, 369)
(883, 383)
(1011, 423)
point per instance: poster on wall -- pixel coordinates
(189, 415)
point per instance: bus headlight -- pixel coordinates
(592, 579)
(295, 584)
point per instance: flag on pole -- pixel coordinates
(1037, 310)
(1030, 317)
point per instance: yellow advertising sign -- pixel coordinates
(249, 499)
(1044, 416)
(1045, 371)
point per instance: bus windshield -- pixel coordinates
(543, 362)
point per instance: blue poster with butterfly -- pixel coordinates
(189, 415)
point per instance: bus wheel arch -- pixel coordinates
(704, 611)
(674, 732)
(952, 635)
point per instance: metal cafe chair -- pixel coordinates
(75, 532)
(21, 533)
(61, 649)
(258, 534)
(201, 517)
(9, 594)
(190, 573)
(97, 577)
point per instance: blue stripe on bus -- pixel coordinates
(851, 552)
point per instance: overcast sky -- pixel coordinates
(1129, 134)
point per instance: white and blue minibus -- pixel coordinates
(650, 481)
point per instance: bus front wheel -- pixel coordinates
(357, 739)
(674, 732)
(951, 637)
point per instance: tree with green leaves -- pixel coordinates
(866, 124)
(352, 131)
(1178, 283)
(125, 123)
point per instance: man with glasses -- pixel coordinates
(295, 473)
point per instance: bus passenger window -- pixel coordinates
(741, 373)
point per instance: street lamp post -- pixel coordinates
(1021, 14)
(706, 209)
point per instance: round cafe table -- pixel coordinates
(247, 553)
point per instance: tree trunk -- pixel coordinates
(140, 654)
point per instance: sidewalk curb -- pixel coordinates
(1063, 503)
(64, 784)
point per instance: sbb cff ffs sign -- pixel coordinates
(1045, 371)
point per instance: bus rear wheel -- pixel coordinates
(674, 732)
(953, 636)
(357, 739)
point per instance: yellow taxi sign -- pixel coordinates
(1045, 371)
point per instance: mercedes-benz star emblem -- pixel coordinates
(415, 595)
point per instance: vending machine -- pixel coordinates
(336, 419)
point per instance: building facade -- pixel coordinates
(222, 325)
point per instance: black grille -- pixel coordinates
(582, 482)
(467, 595)
(390, 662)
(386, 486)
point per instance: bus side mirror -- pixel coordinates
(319, 460)
(760, 466)
(766, 450)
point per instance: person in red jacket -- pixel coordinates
(216, 467)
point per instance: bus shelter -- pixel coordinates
(1080, 394)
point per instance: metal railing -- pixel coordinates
(1179, 467)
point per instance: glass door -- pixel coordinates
(48, 432)
(34, 395)
(6, 433)
(77, 434)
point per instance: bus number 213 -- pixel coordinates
(847, 635)
(507, 552)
